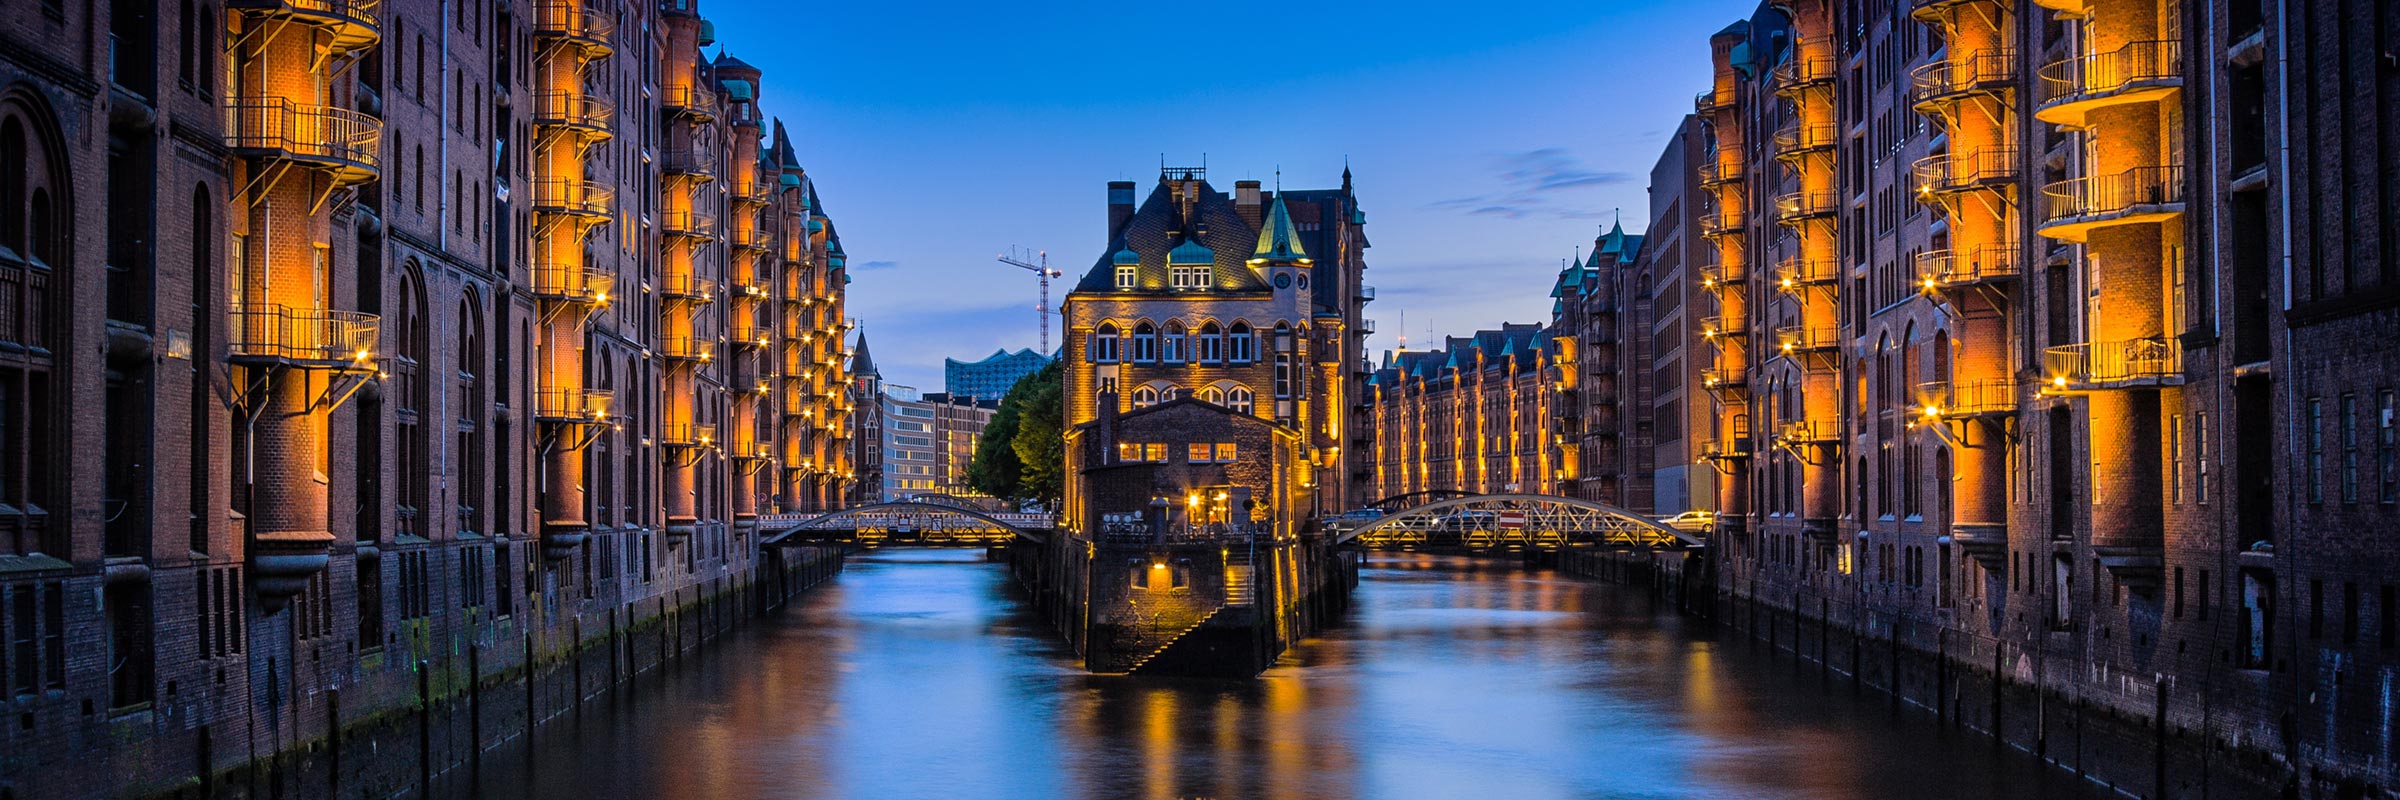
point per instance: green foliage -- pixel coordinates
(1022, 454)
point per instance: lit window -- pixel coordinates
(1240, 400)
(1154, 452)
(1212, 396)
(1197, 453)
(1188, 276)
(1145, 397)
(1225, 451)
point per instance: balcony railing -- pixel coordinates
(1797, 138)
(692, 99)
(1792, 208)
(573, 198)
(1720, 222)
(1809, 431)
(688, 224)
(1810, 63)
(686, 287)
(582, 113)
(695, 163)
(1718, 272)
(1723, 326)
(2102, 365)
(307, 338)
(686, 348)
(747, 237)
(1726, 448)
(576, 23)
(1718, 379)
(1718, 171)
(1792, 274)
(353, 23)
(686, 435)
(1978, 264)
(1807, 338)
(2131, 196)
(343, 141)
(1968, 399)
(752, 290)
(1706, 103)
(1958, 172)
(750, 334)
(572, 405)
(579, 283)
(1986, 71)
(2137, 72)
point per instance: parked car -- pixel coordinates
(1692, 521)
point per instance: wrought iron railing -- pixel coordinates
(1809, 431)
(686, 348)
(688, 224)
(575, 283)
(2111, 195)
(347, 12)
(574, 21)
(1985, 70)
(1793, 273)
(320, 133)
(687, 435)
(2098, 75)
(691, 98)
(1716, 271)
(572, 405)
(2130, 360)
(1791, 207)
(576, 110)
(1796, 136)
(1798, 338)
(573, 197)
(690, 162)
(686, 286)
(1968, 265)
(1810, 62)
(1951, 172)
(1968, 398)
(310, 336)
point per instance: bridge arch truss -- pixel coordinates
(909, 522)
(1520, 520)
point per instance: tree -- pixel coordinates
(1041, 439)
(1022, 455)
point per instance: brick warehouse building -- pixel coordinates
(1475, 415)
(255, 254)
(2025, 357)
(2016, 348)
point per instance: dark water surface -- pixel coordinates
(919, 674)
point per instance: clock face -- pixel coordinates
(1283, 281)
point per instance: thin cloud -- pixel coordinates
(879, 265)
(1530, 182)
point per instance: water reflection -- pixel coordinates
(916, 674)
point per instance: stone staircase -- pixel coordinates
(1241, 589)
(1137, 664)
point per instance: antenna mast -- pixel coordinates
(1042, 270)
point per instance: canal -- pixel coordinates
(919, 674)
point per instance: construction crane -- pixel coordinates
(1043, 270)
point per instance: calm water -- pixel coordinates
(918, 674)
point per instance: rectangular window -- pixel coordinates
(2316, 450)
(1283, 376)
(1225, 451)
(1197, 453)
(2349, 424)
(1154, 452)
(2385, 444)
(2175, 458)
(2200, 458)
(1125, 276)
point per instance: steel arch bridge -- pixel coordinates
(1526, 521)
(908, 523)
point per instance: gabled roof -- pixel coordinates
(1162, 224)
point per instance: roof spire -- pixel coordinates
(1277, 241)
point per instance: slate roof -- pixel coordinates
(1159, 224)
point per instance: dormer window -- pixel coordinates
(1125, 276)
(1190, 276)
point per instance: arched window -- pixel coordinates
(1212, 395)
(1941, 356)
(1211, 346)
(1145, 343)
(1170, 347)
(1883, 371)
(1241, 400)
(1241, 348)
(472, 509)
(1145, 396)
(35, 273)
(1104, 344)
(1172, 392)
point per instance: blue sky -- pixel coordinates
(1488, 140)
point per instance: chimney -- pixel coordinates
(1245, 200)
(1120, 206)
(1104, 422)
